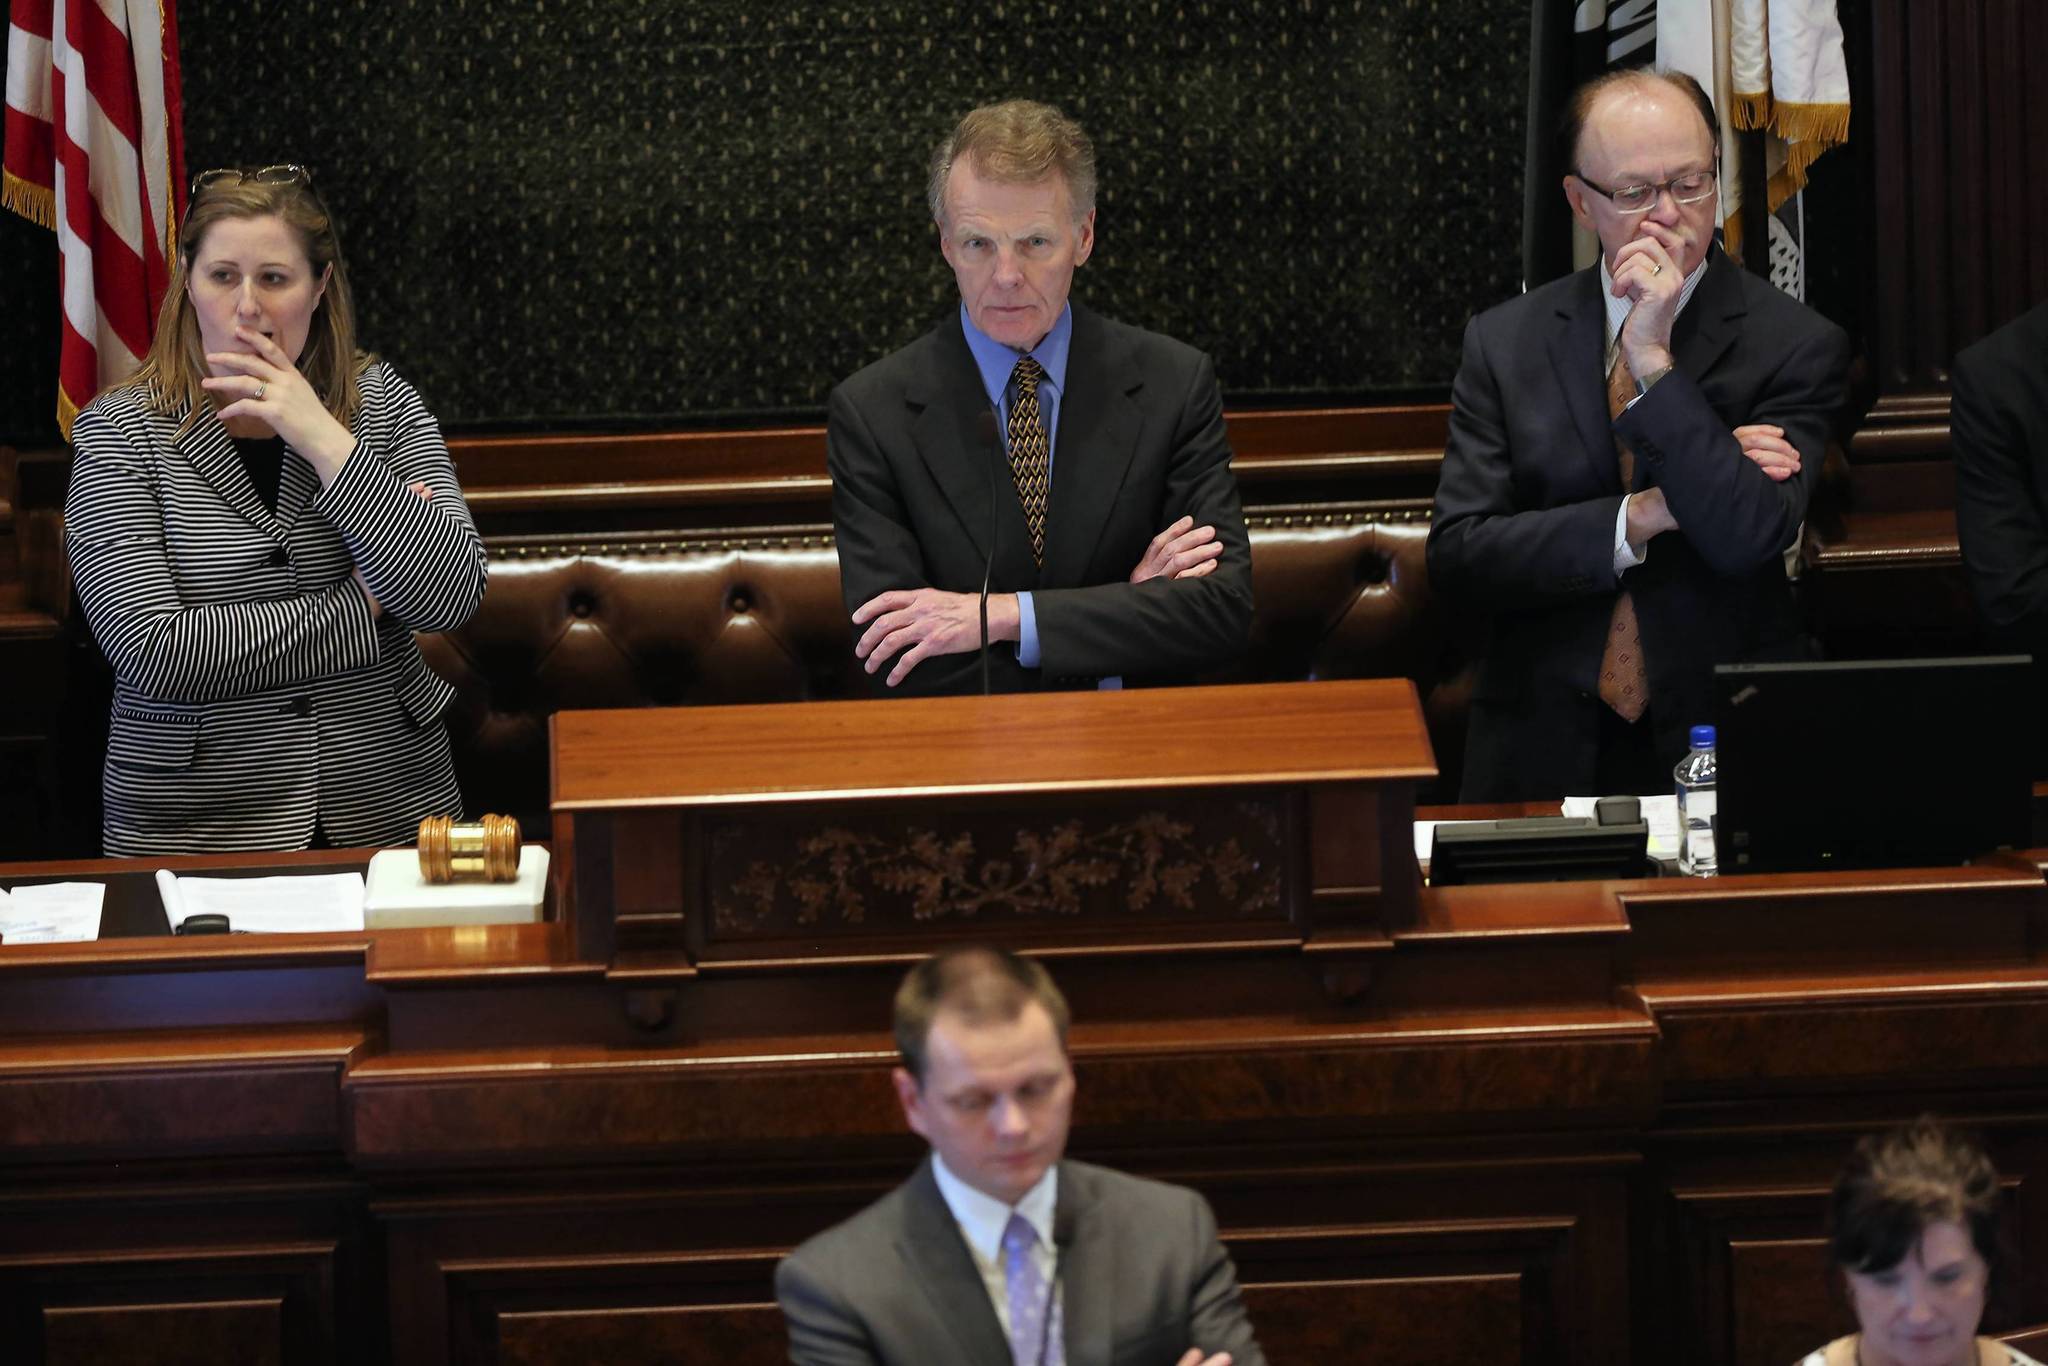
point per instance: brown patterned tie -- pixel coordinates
(1624, 684)
(1030, 452)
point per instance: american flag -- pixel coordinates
(94, 150)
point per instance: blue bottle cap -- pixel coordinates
(1702, 737)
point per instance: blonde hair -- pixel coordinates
(1017, 142)
(169, 376)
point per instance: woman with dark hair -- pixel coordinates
(1913, 1227)
(257, 522)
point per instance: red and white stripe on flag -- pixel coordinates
(93, 149)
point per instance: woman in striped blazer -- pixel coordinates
(257, 523)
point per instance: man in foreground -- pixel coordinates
(997, 1252)
(1076, 464)
(1631, 453)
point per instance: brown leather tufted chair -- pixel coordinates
(633, 622)
(637, 621)
(1344, 593)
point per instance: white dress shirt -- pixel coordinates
(1627, 556)
(982, 1219)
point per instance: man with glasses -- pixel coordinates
(1631, 452)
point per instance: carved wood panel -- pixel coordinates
(770, 875)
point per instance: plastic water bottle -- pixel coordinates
(1696, 802)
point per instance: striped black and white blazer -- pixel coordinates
(254, 692)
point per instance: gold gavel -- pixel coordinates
(483, 850)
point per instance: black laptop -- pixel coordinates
(1894, 763)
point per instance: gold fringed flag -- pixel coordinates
(1767, 63)
(1789, 77)
(1692, 37)
(93, 150)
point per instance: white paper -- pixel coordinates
(268, 905)
(1660, 811)
(52, 913)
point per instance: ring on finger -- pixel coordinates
(260, 388)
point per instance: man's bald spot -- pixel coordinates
(1589, 98)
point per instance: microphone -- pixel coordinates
(990, 438)
(1062, 1239)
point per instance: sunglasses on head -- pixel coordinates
(288, 173)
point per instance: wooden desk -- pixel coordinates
(1584, 1123)
(711, 837)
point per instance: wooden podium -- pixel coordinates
(1261, 817)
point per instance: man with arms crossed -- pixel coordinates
(1086, 458)
(998, 1252)
(1998, 433)
(1631, 453)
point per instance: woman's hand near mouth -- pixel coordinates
(262, 384)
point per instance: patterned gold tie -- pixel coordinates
(1030, 452)
(1624, 683)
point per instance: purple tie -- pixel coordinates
(1034, 1319)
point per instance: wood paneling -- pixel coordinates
(645, 1308)
(1606, 1108)
(210, 1301)
(1753, 1268)
(1458, 1319)
(772, 836)
(223, 1333)
(738, 1334)
(101, 1096)
(1774, 1297)
(703, 756)
(688, 479)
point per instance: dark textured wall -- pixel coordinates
(589, 212)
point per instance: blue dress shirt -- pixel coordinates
(996, 362)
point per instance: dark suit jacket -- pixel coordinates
(1998, 430)
(914, 458)
(1998, 433)
(1526, 504)
(1143, 1279)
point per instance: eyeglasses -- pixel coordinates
(288, 173)
(1689, 188)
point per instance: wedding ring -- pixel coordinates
(1656, 268)
(260, 387)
